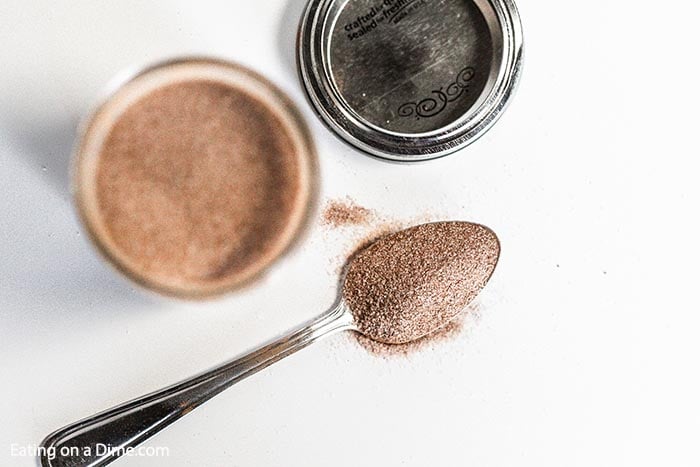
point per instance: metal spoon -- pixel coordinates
(102, 438)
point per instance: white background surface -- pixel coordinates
(586, 349)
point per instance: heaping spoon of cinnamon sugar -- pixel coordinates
(397, 290)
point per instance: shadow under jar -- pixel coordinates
(410, 80)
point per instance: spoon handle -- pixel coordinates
(102, 438)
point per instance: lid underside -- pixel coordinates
(414, 69)
(409, 79)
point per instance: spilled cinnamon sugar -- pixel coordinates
(449, 332)
(340, 213)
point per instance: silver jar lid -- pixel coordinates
(410, 80)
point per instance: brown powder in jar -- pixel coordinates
(197, 184)
(341, 213)
(414, 282)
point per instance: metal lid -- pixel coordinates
(410, 80)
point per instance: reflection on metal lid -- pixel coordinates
(410, 80)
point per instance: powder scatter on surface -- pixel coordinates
(341, 213)
(411, 283)
(447, 333)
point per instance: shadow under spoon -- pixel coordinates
(400, 288)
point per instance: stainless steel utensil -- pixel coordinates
(102, 438)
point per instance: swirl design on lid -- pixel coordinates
(440, 98)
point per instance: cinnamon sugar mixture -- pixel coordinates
(196, 184)
(412, 283)
(340, 213)
(450, 331)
